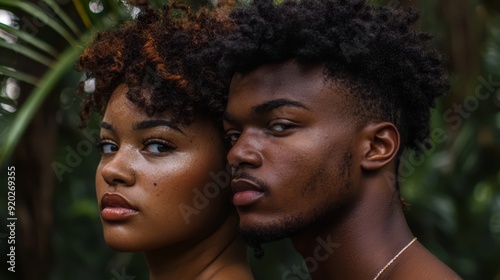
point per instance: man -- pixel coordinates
(324, 97)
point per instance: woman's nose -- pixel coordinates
(118, 168)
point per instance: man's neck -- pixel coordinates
(358, 243)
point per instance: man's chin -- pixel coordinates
(255, 234)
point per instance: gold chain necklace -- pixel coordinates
(393, 259)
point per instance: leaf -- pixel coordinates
(42, 15)
(8, 101)
(35, 100)
(4, 112)
(30, 39)
(4, 71)
(82, 13)
(63, 16)
(27, 52)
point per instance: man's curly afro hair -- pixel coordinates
(162, 57)
(373, 50)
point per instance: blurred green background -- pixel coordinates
(453, 189)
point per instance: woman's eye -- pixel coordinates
(107, 148)
(158, 147)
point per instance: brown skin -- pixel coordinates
(156, 170)
(324, 173)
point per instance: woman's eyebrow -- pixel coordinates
(154, 123)
(107, 126)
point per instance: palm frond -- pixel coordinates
(40, 14)
(36, 56)
(35, 100)
(63, 16)
(36, 47)
(82, 13)
(5, 71)
(30, 39)
(7, 101)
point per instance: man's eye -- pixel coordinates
(280, 127)
(232, 137)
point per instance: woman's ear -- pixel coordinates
(380, 144)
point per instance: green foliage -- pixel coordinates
(36, 45)
(455, 192)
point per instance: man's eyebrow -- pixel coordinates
(277, 103)
(107, 126)
(154, 123)
(228, 117)
(267, 107)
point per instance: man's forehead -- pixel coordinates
(271, 77)
(289, 82)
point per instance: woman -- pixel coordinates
(162, 181)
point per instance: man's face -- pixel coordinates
(292, 156)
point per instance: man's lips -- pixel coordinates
(245, 191)
(115, 207)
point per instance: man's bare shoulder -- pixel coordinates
(234, 271)
(420, 264)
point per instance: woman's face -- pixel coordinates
(158, 184)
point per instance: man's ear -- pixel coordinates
(380, 144)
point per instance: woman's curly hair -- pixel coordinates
(391, 72)
(162, 57)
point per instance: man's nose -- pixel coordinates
(246, 151)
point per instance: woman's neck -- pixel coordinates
(201, 260)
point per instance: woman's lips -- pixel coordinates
(245, 192)
(116, 208)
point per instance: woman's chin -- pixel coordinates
(123, 247)
(122, 244)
